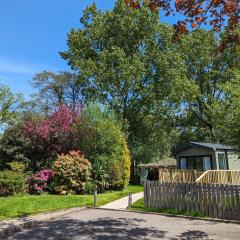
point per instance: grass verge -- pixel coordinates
(26, 205)
(139, 206)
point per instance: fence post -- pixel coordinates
(129, 199)
(95, 198)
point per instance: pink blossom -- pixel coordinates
(38, 181)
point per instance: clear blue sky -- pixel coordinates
(32, 33)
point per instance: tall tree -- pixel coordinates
(216, 14)
(55, 89)
(11, 106)
(128, 61)
(209, 72)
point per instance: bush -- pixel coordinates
(105, 146)
(37, 141)
(50, 136)
(17, 167)
(39, 182)
(100, 177)
(120, 169)
(14, 147)
(71, 172)
(11, 183)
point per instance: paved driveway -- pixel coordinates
(113, 225)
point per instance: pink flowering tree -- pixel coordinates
(51, 136)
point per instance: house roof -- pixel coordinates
(213, 146)
(165, 163)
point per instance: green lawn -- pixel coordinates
(29, 204)
(139, 206)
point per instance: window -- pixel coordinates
(196, 162)
(183, 163)
(207, 163)
(222, 161)
(199, 162)
(191, 162)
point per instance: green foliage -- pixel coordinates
(17, 167)
(126, 59)
(15, 147)
(100, 176)
(162, 93)
(206, 103)
(11, 183)
(37, 141)
(71, 172)
(56, 89)
(106, 147)
(10, 106)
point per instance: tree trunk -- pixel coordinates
(213, 134)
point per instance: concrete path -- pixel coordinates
(100, 224)
(123, 202)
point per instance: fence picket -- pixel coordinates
(223, 201)
(233, 208)
(160, 195)
(237, 202)
(148, 193)
(228, 202)
(219, 210)
(145, 194)
(197, 207)
(192, 198)
(213, 200)
(154, 196)
(163, 195)
(200, 190)
(168, 195)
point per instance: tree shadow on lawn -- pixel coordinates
(98, 229)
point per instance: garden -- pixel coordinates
(70, 152)
(133, 93)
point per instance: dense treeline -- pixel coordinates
(150, 94)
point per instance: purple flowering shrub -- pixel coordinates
(38, 182)
(50, 136)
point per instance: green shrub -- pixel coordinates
(14, 147)
(11, 183)
(17, 167)
(100, 176)
(105, 146)
(70, 173)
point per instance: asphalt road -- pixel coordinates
(103, 224)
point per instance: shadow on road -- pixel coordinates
(97, 229)
(189, 235)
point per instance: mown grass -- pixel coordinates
(19, 206)
(139, 206)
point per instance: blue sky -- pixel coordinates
(32, 33)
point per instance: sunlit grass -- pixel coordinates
(19, 206)
(139, 206)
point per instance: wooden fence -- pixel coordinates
(220, 176)
(212, 200)
(178, 175)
